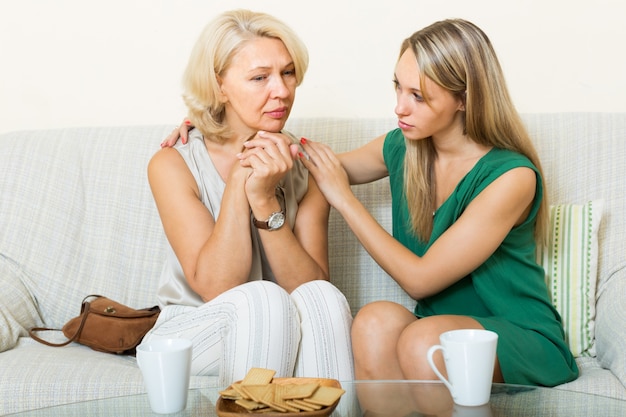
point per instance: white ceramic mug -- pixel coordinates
(165, 365)
(475, 411)
(470, 356)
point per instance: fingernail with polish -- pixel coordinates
(304, 155)
(303, 141)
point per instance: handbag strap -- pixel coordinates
(84, 311)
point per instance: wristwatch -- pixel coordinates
(274, 222)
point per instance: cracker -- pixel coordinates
(230, 394)
(265, 410)
(250, 405)
(325, 396)
(238, 388)
(302, 405)
(296, 391)
(258, 376)
(259, 393)
(256, 392)
(269, 399)
(274, 406)
(279, 398)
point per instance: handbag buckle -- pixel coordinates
(110, 310)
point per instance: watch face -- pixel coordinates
(276, 220)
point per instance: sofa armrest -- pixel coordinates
(611, 325)
(18, 310)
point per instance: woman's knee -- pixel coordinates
(263, 295)
(417, 338)
(420, 336)
(321, 296)
(318, 289)
(259, 307)
(381, 317)
(425, 332)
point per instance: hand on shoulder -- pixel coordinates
(181, 132)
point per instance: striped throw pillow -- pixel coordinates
(570, 261)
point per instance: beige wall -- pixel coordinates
(118, 62)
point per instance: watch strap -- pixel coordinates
(265, 224)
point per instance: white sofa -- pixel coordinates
(77, 218)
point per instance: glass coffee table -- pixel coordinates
(381, 399)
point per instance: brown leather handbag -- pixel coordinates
(106, 326)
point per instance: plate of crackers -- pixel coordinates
(259, 393)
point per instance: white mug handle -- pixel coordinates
(138, 359)
(429, 356)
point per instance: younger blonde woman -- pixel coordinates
(468, 205)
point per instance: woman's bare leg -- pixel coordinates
(419, 336)
(375, 333)
(390, 343)
(376, 330)
(413, 346)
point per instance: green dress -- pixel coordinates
(507, 294)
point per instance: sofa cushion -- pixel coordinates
(570, 261)
(17, 307)
(36, 376)
(611, 324)
(595, 378)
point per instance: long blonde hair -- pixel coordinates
(458, 56)
(212, 54)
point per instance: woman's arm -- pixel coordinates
(465, 246)
(215, 256)
(461, 249)
(299, 255)
(365, 164)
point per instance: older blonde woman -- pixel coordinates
(247, 275)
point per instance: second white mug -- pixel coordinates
(469, 356)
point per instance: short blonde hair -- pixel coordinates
(212, 54)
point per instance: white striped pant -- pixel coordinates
(259, 324)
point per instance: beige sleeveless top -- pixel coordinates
(173, 287)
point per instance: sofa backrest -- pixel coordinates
(77, 216)
(584, 158)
